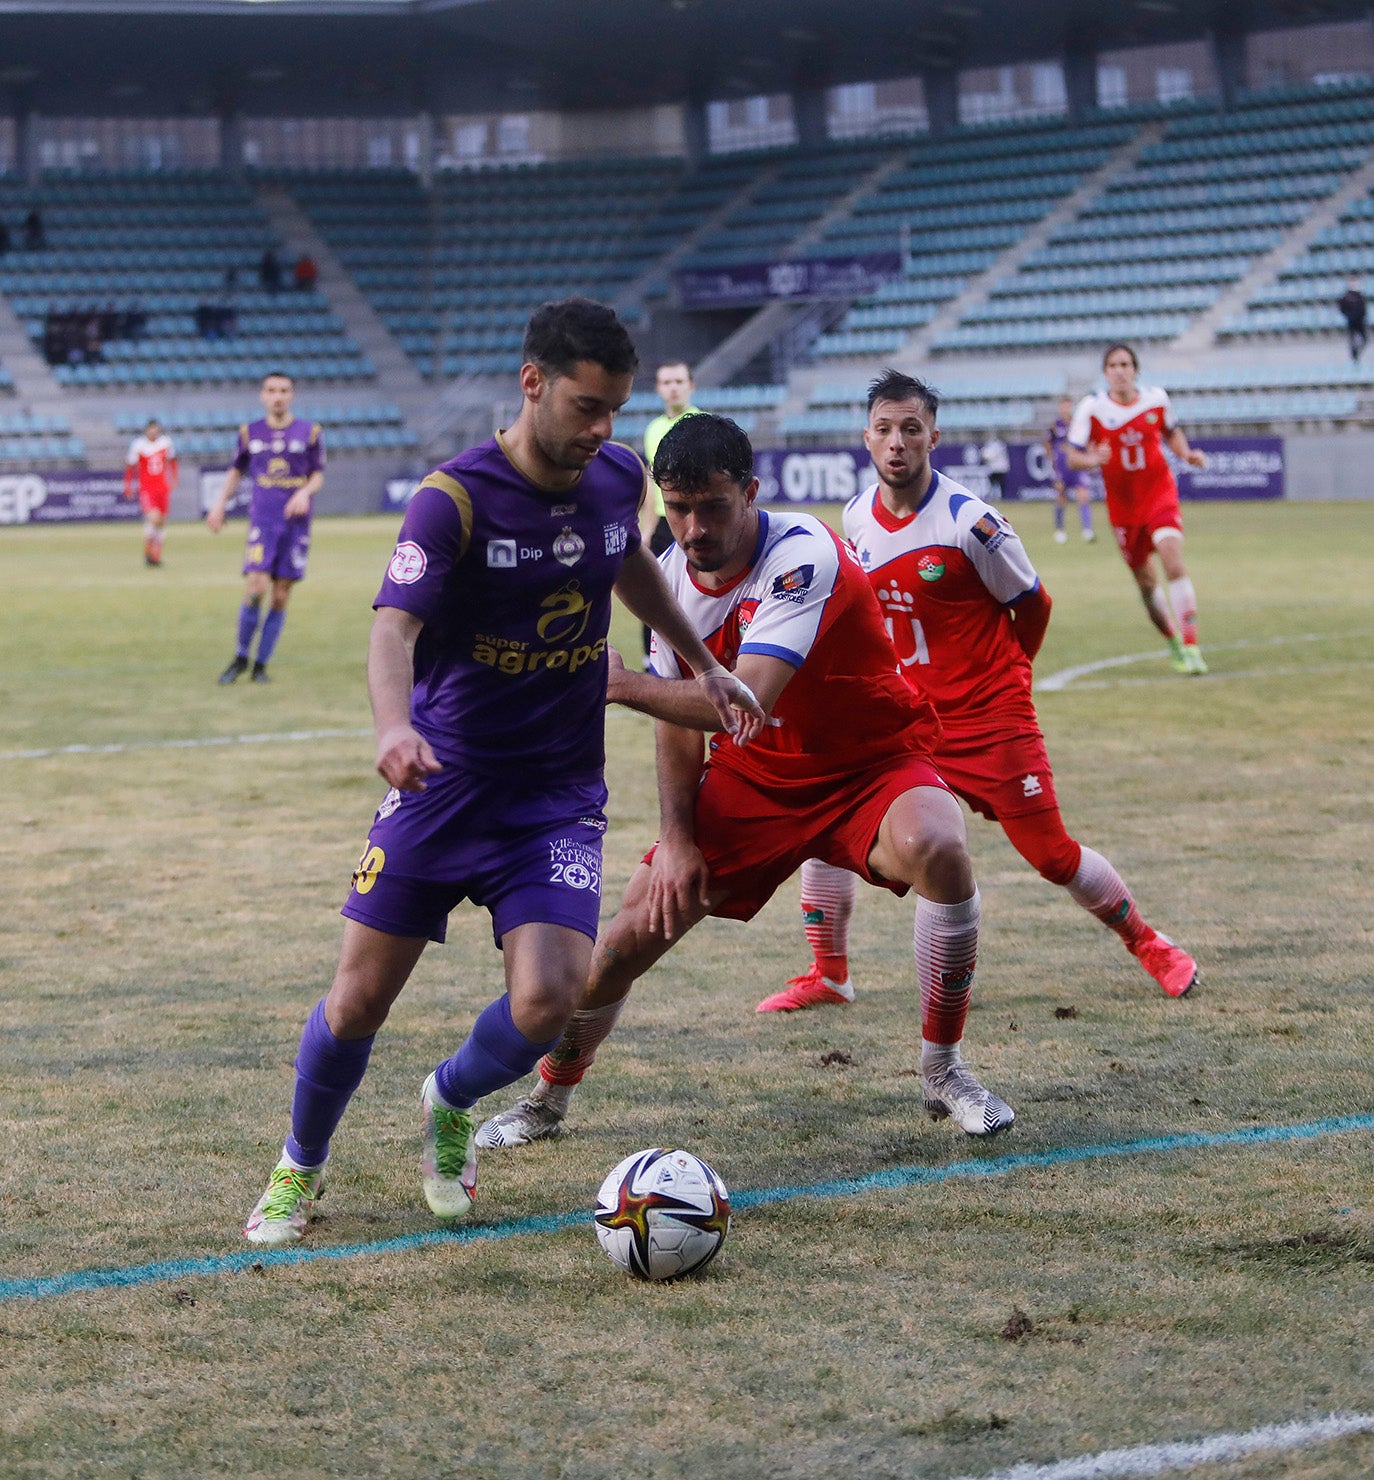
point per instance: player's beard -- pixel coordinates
(559, 450)
(900, 482)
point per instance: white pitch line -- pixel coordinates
(1056, 682)
(1156, 1459)
(279, 737)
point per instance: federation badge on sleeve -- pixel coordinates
(793, 585)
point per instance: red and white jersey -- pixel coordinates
(153, 461)
(946, 578)
(804, 599)
(1137, 475)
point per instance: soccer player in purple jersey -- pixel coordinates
(284, 458)
(1066, 479)
(487, 671)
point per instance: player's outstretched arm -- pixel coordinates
(298, 505)
(404, 757)
(679, 701)
(679, 881)
(1194, 456)
(642, 588)
(214, 516)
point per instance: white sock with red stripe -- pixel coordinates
(827, 902)
(945, 941)
(562, 1070)
(1184, 600)
(1103, 893)
(1163, 616)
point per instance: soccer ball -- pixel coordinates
(662, 1214)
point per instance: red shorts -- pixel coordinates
(754, 837)
(155, 503)
(999, 776)
(1137, 541)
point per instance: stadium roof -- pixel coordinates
(345, 57)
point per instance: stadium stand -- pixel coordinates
(153, 250)
(1160, 244)
(1302, 300)
(28, 437)
(958, 204)
(209, 432)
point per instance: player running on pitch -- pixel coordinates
(778, 596)
(284, 458)
(151, 471)
(967, 615)
(486, 670)
(1067, 480)
(1120, 430)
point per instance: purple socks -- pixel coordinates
(248, 626)
(271, 630)
(328, 1070)
(496, 1054)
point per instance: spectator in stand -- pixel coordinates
(307, 273)
(35, 238)
(1353, 310)
(269, 271)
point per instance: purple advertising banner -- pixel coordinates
(1237, 468)
(744, 283)
(65, 498)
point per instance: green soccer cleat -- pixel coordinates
(287, 1208)
(449, 1171)
(1193, 659)
(1178, 656)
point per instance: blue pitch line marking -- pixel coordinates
(910, 1176)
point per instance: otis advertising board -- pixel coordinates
(1237, 468)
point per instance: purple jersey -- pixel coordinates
(513, 584)
(1058, 438)
(278, 460)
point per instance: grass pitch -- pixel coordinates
(170, 915)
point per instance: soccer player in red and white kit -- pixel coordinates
(842, 771)
(967, 614)
(150, 470)
(1120, 430)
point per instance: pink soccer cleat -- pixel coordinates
(809, 990)
(1174, 969)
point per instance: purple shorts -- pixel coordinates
(526, 855)
(278, 546)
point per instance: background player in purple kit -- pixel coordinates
(487, 672)
(284, 458)
(1068, 480)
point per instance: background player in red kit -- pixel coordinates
(777, 596)
(1120, 430)
(151, 472)
(967, 614)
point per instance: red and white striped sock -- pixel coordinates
(945, 940)
(1103, 893)
(1184, 601)
(827, 902)
(562, 1069)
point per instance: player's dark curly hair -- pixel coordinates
(699, 445)
(893, 385)
(560, 335)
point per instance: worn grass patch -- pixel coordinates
(170, 915)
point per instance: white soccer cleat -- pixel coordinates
(1060, 538)
(287, 1208)
(449, 1172)
(954, 1092)
(525, 1121)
